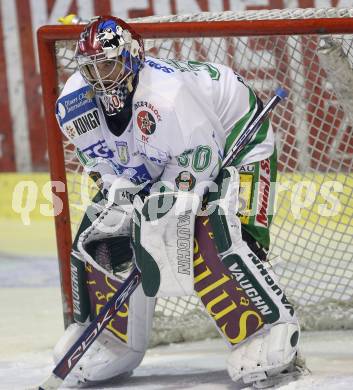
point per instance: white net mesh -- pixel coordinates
(312, 251)
(290, 13)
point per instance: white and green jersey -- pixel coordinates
(185, 116)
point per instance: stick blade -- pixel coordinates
(52, 383)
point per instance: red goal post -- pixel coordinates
(178, 32)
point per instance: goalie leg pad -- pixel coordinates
(163, 237)
(121, 346)
(110, 356)
(264, 355)
(99, 222)
(272, 347)
(256, 278)
(80, 294)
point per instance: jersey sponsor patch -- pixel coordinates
(152, 153)
(99, 149)
(85, 160)
(158, 66)
(86, 122)
(250, 168)
(185, 181)
(147, 118)
(70, 131)
(82, 124)
(263, 202)
(149, 107)
(246, 192)
(245, 196)
(75, 104)
(137, 174)
(123, 152)
(146, 122)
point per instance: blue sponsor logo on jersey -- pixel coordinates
(137, 175)
(99, 149)
(158, 66)
(75, 104)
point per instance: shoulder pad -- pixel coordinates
(76, 108)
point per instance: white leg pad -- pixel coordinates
(105, 358)
(108, 356)
(265, 354)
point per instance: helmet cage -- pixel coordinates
(102, 73)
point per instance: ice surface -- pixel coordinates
(200, 365)
(31, 322)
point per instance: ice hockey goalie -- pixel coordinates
(153, 133)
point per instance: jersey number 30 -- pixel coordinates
(200, 158)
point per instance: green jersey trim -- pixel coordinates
(259, 138)
(239, 126)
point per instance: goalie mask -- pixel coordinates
(109, 55)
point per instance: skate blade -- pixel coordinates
(281, 379)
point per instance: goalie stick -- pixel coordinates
(71, 358)
(246, 136)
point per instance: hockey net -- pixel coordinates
(312, 233)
